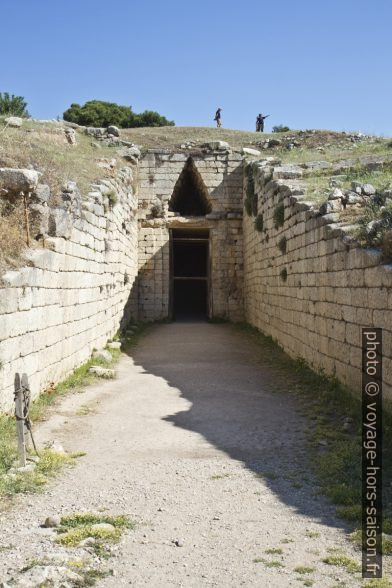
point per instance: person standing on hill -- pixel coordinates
(260, 123)
(217, 118)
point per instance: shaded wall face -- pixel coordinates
(221, 175)
(310, 290)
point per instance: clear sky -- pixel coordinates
(307, 63)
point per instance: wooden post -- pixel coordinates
(20, 422)
(26, 406)
(26, 211)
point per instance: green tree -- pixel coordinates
(13, 105)
(97, 113)
(150, 118)
(280, 129)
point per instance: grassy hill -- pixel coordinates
(44, 147)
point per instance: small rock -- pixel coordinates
(103, 355)
(336, 194)
(112, 130)
(373, 226)
(323, 442)
(53, 521)
(14, 121)
(106, 163)
(321, 164)
(249, 151)
(351, 198)
(368, 189)
(330, 206)
(55, 446)
(346, 426)
(131, 153)
(218, 146)
(348, 420)
(114, 345)
(178, 542)
(49, 576)
(30, 467)
(273, 143)
(69, 187)
(87, 542)
(70, 135)
(33, 458)
(101, 372)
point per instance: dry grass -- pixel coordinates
(168, 137)
(334, 145)
(12, 233)
(45, 148)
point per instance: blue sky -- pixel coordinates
(307, 63)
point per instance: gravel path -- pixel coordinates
(199, 442)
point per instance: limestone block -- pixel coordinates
(8, 300)
(18, 180)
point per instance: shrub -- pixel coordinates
(375, 226)
(112, 197)
(248, 207)
(282, 245)
(280, 129)
(13, 105)
(283, 275)
(250, 202)
(259, 222)
(279, 215)
(97, 113)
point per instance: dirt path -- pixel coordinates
(198, 442)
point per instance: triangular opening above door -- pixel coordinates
(190, 195)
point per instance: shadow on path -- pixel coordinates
(240, 404)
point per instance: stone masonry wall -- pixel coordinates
(333, 287)
(221, 173)
(75, 293)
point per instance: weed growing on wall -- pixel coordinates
(283, 275)
(375, 228)
(259, 223)
(112, 197)
(279, 215)
(282, 245)
(250, 202)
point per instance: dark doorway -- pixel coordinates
(189, 274)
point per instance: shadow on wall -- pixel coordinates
(237, 405)
(130, 313)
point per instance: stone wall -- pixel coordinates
(221, 173)
(308, 285)
(76, 292)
